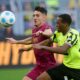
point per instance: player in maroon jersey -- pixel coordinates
(41, 31)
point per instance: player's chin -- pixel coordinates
(36, 25)
(58, 30)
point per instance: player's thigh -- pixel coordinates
(57, 73)
(26, 78)
(73, 74)
(52, 74)
(44, 76)
(35, 72)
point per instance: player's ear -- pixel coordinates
(44, 16)
(65, 24)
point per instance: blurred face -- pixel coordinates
(60, 25)
(38, 18)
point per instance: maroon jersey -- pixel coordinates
(43, 58)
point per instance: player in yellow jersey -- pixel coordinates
(68, 45)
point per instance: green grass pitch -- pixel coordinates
(13, 74)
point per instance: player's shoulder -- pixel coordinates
(47, 26)
(34, 28)
(73, 31)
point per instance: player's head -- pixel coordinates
(39, 15)
(63, 22)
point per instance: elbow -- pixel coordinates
(48, 35)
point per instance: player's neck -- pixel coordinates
(66, 31)
(40, 24)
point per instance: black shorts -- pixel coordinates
(61, 72)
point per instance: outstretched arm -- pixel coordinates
(45, 42)
(58, 49)
(25, 49)
(24, 41)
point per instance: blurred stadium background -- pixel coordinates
(13, 65)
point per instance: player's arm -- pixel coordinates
(49, 40)
(45, 42)
(47, 33)
(24, 41)
(70, 41)
(58, 49)
(25, 49)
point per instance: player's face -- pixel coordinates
(38, 18)
(60, 25)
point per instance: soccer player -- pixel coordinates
(68, 45)
(41, 31)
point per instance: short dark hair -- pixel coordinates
(41, 9)
(66, 18)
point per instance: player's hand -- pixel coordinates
(39, 32)
(21, 50)
(11, 40)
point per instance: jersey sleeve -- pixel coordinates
(46, 27)
(50, 27)
(72, 39)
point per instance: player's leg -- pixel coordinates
(60, 72)
(53, 74)
(73, 74)
(26, 78)
(44, 76)
(34, 73)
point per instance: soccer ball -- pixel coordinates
(7, 18)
